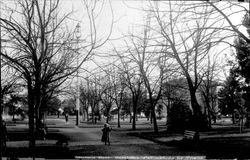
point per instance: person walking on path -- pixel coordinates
(66, 115)
(4, 134)
(106, 134)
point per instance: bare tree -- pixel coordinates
(107, 94)
(9, 88)
(186, 33)
(41, 48)
(225, 12)
(113, 75)
(93, 97)
(84, 99)
(119, 87)
(209, 86)
(132, 79)
(150, 62)
(243, 9)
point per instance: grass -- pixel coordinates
(217, 143)
(222, 141)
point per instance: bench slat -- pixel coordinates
(189, 134)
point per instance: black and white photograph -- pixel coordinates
(125, 79)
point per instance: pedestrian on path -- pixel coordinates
(106, 134)
(3, 134)
(66, 115)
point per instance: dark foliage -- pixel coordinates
(228, 100)
(243, 69)
(243, 53)
(52, 105)
(179, 116)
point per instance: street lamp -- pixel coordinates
(78, 35)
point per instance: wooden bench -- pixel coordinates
(3, 141)
(62, 142)
(191, 135)
(41, 132)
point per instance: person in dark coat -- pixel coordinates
(66, 115)
(4, 134)
(106, 134)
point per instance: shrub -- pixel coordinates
(178, 116)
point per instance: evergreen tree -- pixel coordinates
(243, 69)
(228, 99)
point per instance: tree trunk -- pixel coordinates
(87, 114)
(233, 117)
(1, 114)
(38, 114)
(86, 111)
(195, 105)
(31, 117)
(83, 116)
(130, 118)
(134, 116)
(107, 120)
(232, 105)
(248, 119)
(118, 120)
(13, 116)
(168, 109)
(92, 113)
(154, 122)
(197, 121)
(154, 117)
(209, 119)
(241, 123)
(247, 104)
(1, 126)
(208, 109)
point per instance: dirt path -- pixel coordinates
(86, 141)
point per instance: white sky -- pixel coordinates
(126, 13)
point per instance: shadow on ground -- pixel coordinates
(221, 143)
(17, 146)
(50, 152)
(220, 149)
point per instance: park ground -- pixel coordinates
(224, 141)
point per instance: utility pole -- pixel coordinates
(1, 107)
(77, 81)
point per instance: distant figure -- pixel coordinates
(42, 130)
(106, 134)
(4, 134)
(95, 119)
(58, 114)
(66, 117)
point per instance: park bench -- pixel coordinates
(62, 142)
(191, 138)
(3, 141)
(41, 131)
(191, 135)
